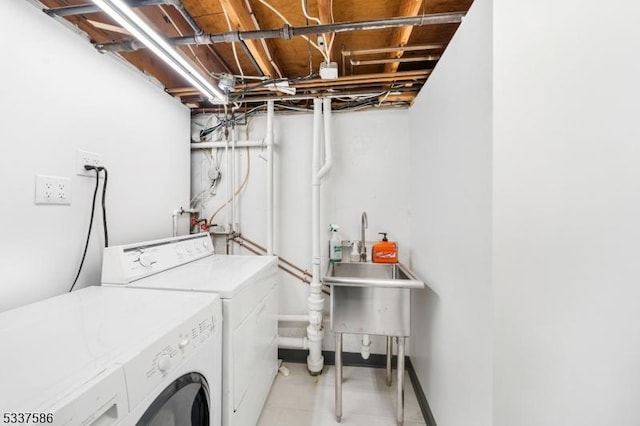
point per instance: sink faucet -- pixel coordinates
(364, 224)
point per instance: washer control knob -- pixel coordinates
(146, 259)
(164, 362)
(205, 243)
(183, 343)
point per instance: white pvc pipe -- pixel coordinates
(328, 157)
(297, 318)
(366, 346)
(180, 212)
(315, 333)
(269, 179)
(293, 342)
(239, 144)
(293, 318)
(232, 177)
(237, 182)
(227, 165)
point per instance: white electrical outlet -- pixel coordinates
(88, 158)
(53, 190)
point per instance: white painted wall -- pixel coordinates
(370, 173)
(450, 133)
(59, 95)
(566, 213)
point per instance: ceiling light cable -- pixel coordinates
(286, 21)
(233, 44)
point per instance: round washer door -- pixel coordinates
(185, 402)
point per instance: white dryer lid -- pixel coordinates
(51, 347)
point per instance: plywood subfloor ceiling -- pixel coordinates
(380, 67)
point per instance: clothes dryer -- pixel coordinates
(247, 286)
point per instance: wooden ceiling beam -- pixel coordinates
(400, 35)
(241, 20)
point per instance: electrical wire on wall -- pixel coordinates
(242, 186)
(214, 174)
(93, 209)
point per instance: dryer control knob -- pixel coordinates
(147, 260)
(183, 343)
(164, 362)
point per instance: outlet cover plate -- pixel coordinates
(53, 190)
(90, 158)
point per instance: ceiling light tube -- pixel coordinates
(125, 16)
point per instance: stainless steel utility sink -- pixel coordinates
(364, 274)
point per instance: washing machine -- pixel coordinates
(247, 286)
(104, 356)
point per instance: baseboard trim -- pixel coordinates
(354, 359)
(420, 396)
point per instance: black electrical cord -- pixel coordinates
(93, 209)
(104, 207)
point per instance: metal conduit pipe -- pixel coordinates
(287, 32)
(92, 8)
(247, 52)
(130, 45)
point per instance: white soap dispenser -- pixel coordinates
(335, 245)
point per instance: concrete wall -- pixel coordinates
(59, 95)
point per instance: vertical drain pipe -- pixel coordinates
(315, 333)
(234, 177)
(269, 202)
(227, 169)
(328, 156)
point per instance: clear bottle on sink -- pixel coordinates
(335, 245)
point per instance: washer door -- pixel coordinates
(185, 402)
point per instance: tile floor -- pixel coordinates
(303, 400)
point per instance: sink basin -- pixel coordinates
(362, 274)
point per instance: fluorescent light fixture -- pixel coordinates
(125, 16)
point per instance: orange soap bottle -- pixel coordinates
(384, 251)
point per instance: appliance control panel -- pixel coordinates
(127, 263)
(165, 356)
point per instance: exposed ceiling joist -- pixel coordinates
(400, 36)
(241, 19)
(376, 39)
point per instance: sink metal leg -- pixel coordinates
(338, 377)
(400, 406)
(389, 355)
